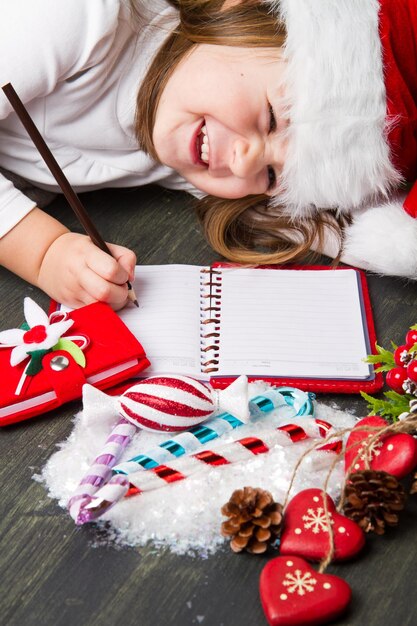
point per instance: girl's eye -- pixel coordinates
(272, 120)
(272, 179)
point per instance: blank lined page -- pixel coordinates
(167, 322)
(305, 323)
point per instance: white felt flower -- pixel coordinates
(42, 335)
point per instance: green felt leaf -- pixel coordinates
(25, 326)
(413, 348)
(413, 327)
(71, 347)
(35, 363)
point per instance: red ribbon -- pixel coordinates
(253, 444)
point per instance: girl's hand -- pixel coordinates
(76, 272)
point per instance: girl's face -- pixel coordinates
(219, 121)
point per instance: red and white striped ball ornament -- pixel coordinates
(167, 403)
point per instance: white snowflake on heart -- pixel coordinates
(316, 520)
(299, 582)
(370, 451)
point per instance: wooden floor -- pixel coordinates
(49, 570)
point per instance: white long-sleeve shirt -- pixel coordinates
(77, 66)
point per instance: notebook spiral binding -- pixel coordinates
(210, 299)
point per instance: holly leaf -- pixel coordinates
(35, 363)
(413, 327)
(25, 326)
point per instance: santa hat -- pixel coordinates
(338, 155)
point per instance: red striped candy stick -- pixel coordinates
(233, 452)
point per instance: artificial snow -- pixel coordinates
(185, 516)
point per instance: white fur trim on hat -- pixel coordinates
(338, 155)
(383, 239)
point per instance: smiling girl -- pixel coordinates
(294, 122)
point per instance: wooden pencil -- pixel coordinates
(59, 176)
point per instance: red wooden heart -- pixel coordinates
(306, 529)
(292, 593)
(395, 454)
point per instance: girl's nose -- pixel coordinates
(248, 157)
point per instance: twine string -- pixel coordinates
(408, 425)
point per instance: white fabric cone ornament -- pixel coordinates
(176, 403)
(99, 408)
(234, 399)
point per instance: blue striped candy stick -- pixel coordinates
(300, 402)
(292, 401)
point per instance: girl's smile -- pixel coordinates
(199, 145)
(218, 122)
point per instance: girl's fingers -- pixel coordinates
(125, 257)
(106, 266)
(97, 288)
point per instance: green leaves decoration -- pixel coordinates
(390, 408)
(71, 347)
(385, 357)
(35, 364)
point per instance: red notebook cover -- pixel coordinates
(323, 385)
(112, 355)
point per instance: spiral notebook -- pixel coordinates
(309, 327)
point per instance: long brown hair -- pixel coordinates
(245, 230)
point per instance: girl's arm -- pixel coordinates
(67, 266)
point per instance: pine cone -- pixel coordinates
(254, 520)
(373, 500)
(410, 387)
(413, 488)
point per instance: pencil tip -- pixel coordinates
(131, 295)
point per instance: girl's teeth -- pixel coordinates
(205, 150)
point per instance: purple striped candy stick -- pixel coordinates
(234, 452)
(107, 496)
(100, 470)
(187, 443)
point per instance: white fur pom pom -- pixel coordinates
(383, 239)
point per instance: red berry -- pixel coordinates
(412, 370)
(411, 338)
(395, 379)
(400, 351)
(36, 334)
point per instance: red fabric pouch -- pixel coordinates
(112, 355)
